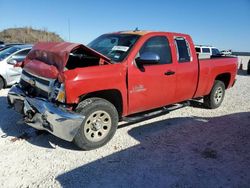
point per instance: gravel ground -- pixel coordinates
(190, 147)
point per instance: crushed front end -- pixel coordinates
(41, 100)
(40, 95)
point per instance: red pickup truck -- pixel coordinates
(79, 93)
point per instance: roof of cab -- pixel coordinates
(135, 32)
(144, 32)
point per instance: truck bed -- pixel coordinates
(209, 68)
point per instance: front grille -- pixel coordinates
(33, 91)
(42, 81)
(36, 86)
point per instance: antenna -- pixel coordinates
(136, 29)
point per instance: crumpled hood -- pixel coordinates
(48, 59)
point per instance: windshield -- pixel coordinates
(114, 46)
(7, 52)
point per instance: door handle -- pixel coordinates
(168, 73)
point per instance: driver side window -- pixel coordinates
(158, 45)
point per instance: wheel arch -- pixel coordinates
(225, 78)
(114, 96)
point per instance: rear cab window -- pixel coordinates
(183, 50)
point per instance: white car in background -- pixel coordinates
(206, 52)
(226, 52)
(9, 74)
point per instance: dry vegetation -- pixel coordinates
(28, 35)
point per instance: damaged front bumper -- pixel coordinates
(44, 115)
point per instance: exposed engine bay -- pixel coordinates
(79, 58)
(50, 59)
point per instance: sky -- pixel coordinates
(221, 23)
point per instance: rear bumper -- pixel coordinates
(44, 115)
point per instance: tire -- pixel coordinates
(99, 125)
(216, 96)
(1, 83)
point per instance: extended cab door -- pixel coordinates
(186, 68)
(152, 85)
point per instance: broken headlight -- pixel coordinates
(58, 93)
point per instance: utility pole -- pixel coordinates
(69, 28)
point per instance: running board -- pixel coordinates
(152, 114)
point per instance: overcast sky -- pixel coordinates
(222, 23)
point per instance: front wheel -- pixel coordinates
(99, 125)
(216, 96)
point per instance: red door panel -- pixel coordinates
(186, 69)
(152, 85)
(150, 88)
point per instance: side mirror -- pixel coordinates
(148, 58)
(12, 62)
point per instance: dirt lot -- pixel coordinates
(191, 147)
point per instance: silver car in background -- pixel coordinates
(9, 74)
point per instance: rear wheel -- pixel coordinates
(216, 96)
(1, 83)
(99, 125)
